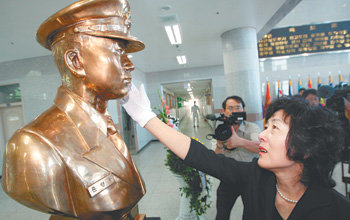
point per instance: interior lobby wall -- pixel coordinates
(38, 78)
(306, 66)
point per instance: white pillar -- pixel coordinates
(241, 65)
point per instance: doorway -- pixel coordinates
(188, 91)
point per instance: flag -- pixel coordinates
(290, 89)
(268, 96)
(330, 80)
(279, 91)
(299, 84)
(340, 80)
(322, 102)
(319, 82)
(309, 84)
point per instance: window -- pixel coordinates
(262, 67)
(10, 94)
(278, 65)
(285, 87)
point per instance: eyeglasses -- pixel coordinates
(232, 108)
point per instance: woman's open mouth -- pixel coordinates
(262, 150)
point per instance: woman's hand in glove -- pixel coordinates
(137, 105)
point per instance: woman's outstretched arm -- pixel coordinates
(177, 142)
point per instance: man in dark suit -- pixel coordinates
(70, 161)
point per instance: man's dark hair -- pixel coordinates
(301, 89)
(234, 97)
(315, 138)
(308, 92)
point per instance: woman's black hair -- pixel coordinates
(315, 138)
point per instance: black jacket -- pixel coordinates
(259, 191)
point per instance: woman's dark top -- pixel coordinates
(259, 191)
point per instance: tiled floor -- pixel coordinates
(162, 197)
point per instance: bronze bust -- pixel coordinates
(70, 161)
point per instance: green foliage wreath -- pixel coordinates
(199, 201)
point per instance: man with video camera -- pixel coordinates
(240, 144)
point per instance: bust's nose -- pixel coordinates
(127, 64)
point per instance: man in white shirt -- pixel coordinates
(242, 146)
(195, 112)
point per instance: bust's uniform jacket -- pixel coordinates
(259, 188)
(64, 163)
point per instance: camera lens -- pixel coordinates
(223, 132)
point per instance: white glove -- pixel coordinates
(137, 105)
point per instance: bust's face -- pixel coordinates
(106, 66)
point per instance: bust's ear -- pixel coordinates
(73, 62)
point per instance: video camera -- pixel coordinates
(223, 131)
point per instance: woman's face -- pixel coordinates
(273, 150)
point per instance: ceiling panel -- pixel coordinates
(202, 23)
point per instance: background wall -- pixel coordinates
(183, 111)
(306, 66)
(38, 78)
(206, 109)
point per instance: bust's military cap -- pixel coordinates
(102, 18)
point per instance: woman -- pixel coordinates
(290, 180)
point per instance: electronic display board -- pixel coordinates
(305, 39)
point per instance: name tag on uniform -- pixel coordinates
(100, 185)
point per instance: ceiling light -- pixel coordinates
(173, 32)
(181, 59)
(165, 8)
(130, 56)
(184, 59)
